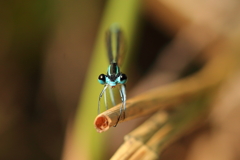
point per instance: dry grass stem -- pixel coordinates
(171, 95)
(136, 139)
(161, 130)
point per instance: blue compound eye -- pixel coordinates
(123, 78)
(102, 79)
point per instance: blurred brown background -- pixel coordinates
(45, 47)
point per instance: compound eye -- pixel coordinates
(102, 79)
(123, 78)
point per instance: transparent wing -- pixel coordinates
(115, 44)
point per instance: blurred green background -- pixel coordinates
(45, 53)
(48, 53)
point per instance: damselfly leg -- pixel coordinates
(105, 100)
(112, 96)
(100, 96)
(123, 105)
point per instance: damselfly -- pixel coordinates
(114, 77)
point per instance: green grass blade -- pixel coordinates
(87, 140)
